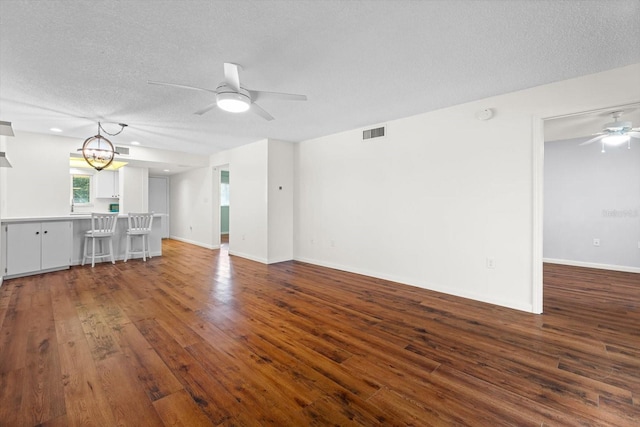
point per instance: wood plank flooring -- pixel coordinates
(198, 338)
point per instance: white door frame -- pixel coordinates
(538, 198)
(166, 220)
(538, 213)
(215, 176)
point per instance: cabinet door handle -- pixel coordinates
(45, 231)
(37, 232)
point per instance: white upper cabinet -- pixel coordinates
(107, 184)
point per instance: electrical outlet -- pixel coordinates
(491, 263)
(596, 242)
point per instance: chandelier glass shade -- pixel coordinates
(98, 151)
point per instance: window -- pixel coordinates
(224, 194)
(81, 189)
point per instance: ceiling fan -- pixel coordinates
(615, 133)
(232, 97)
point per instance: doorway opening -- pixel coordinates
(159, 201)
(587, 193)
(224, 207)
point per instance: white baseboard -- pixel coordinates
(279, 259)
(33, 273)
(193, 242)
(612, 267)
(429, 286)
(249, 257)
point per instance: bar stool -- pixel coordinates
(103, 227)
(139, 226)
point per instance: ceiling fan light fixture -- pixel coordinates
(618, 126)
(616, 139)
(233, 102)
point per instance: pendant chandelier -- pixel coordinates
(98, 151)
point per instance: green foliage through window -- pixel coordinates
(81, 188)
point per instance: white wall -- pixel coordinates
(280, 201)
(261, 222)
(134, 189)
(3, 147)
(248, 201)
(590, 194)
(165, 156)
(38, 182)
(159, 200)
(428, 204)
(191, 207)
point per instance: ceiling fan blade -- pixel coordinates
(593, 139)
(206, 109)
(255, 108)
(151, 82)
(260, 95)
(232, 75)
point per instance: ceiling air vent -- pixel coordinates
(124, 151)
(374, 133)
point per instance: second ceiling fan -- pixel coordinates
(616, 132)
(232, 97)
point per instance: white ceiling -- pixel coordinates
(70, 63)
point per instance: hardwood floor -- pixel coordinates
(199, 338)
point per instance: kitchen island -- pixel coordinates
(33, 245)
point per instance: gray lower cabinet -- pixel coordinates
(33, 247)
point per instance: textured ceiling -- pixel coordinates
(68, 64)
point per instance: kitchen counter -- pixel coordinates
(72, 216)
(80, 224)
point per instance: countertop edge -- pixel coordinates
(60, 218)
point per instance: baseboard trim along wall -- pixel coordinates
(193, 242)
(430, 286)
(612, 267)
(249, 257)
